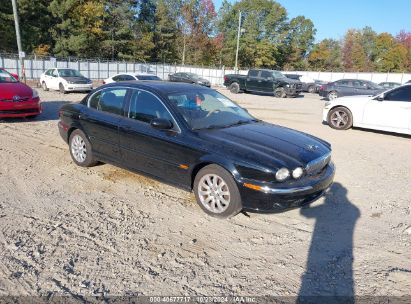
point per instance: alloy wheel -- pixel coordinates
(78, 148)
(214, 193)
(339, 119)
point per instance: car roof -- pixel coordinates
(161, 87)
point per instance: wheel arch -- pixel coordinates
(342, 106)
(213, 160)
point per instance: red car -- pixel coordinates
(16, 98)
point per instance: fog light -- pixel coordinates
(297, 172)
(282, 174)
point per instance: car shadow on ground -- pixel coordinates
(50, 112)
(329, 272)
(301, 95)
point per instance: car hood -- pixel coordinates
(266, 144)
(8, 90)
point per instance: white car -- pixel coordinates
(130, 77)
(389, 111)
(65, 80)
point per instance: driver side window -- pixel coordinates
(400, 94)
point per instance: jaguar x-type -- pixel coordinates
(198, 139)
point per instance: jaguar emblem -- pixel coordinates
(312, 147)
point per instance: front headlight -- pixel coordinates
(287, 85)
(35, 94)
(297, 172)
(282, 174)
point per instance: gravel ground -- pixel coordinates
(106, 231)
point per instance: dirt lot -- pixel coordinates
(105, 231)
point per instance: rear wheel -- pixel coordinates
(80, 149)
(61, 89)
(217, 192)
(280, 93)
(340, 118)
(311, 89)
(234, 88)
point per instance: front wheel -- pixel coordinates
(280, 93)
(311, 89)
(216, 192)
(234, 88)
(80, 149)
(340, 118)
(61, 89)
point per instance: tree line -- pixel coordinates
(193, 32)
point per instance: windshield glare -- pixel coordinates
(204, 109)
(148, 77)
(69, 73)
(193, 76)
(5, 77)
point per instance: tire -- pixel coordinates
(61, 89)
(209, 195)
(340, 118)
(234, 88)
(332, 95)
(80, 149)
(280, 93)
(44, 86)
(311, 89)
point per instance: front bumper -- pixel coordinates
(273, 199)
(77, 87)
(20, 109)
(290, 91)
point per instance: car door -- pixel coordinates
(252, 81)
(391, 111)
(100, 121)
(265, 83)
(361, 88)
(345, 87)
(161, 153)
(53, 80)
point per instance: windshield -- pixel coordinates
(69, 73)
(148, 77)
(5, 77)
(207, 109)
(277, 74)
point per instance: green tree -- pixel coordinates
(326, 56)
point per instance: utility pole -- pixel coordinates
(20, 49)
(238, 42)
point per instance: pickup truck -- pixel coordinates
(263, 81)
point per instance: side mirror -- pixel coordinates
(380, 98)
(161, 124)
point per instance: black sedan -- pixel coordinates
(188, 78)
(349, 87)
(198, 139)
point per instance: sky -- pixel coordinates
(332, 18)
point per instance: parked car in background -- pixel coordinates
(12, 74)
(318, 84)
(198, 139)
(188, 78)
(65, 80)
(389, 85)
(131, 77)
(308, 84)
(349, 87)
(16, 98)
(389, 111)
(263, 81)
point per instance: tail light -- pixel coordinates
(225, 78)
(104, 82)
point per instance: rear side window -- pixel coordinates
(145, 107)
(253, 73)
(266, 74)
(109, 100)
(347, 83)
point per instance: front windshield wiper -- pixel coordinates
(210, 127)
(242, 122)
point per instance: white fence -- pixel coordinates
(98, 70)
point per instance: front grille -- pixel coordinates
(317, 165)
(80, 82)
(299, 86)
(19, 111)
(21, 99)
